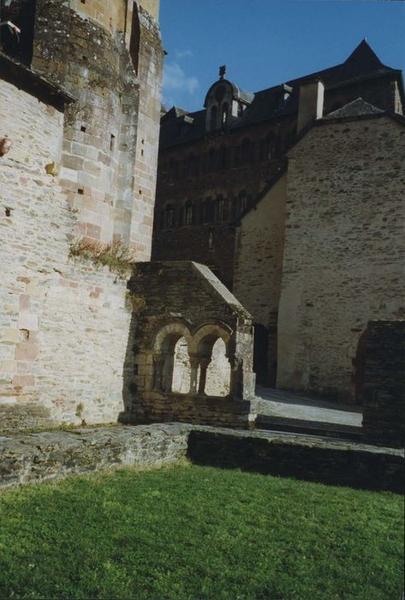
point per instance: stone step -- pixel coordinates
(319, 428)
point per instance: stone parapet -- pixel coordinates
(45, 456)
(381, 389)
(37, 457)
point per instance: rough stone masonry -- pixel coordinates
(82, 165)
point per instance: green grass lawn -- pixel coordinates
(197, 533)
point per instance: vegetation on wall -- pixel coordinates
(117, 256)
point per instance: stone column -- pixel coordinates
(158, 361)
(204, 363)
(236, 386)
(194, 364)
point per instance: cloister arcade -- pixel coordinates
(192, 364)
(190, 355)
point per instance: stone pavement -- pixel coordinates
(290, 405)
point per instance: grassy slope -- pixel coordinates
(199, 533)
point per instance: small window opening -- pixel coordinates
(134, 44)
(8, 211)
(188, 214)
(169, 220)
(83, 128)
(225, 112)
(80, 191)
(112, 142)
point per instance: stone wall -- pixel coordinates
(210, 240)
(380, 363)
(176, 367)
(63, 324)
(33, 458)
(303, 457)
(111, 132)
(259, 262)
(344, 247)
(64, 327)
(53, 455)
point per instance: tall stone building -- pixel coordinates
(304, 222)
(216, 162)
(79, 125)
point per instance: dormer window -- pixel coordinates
(224, 113)
(222, 102)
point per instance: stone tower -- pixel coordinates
(108, 55)
(79, 109)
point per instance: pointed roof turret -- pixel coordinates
(363, 60)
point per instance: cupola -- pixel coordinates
(224, 102)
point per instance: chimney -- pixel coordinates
(310, 104)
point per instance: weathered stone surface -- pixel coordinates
(344, 246)
(52, 455)
(184, 302)
(380, 363)
(89, 173)
(301, 457)
(45, 456)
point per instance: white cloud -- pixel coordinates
(175, 79)
(183, 54)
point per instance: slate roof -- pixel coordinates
(356, 108)
(363, 63)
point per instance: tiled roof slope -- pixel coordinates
(362, 63)
(356, 108)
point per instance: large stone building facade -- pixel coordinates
(216, 162)
(79, 127)
(302, 222)
(322, 252)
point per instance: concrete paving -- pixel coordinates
(289, 405)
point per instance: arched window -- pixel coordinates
(169, 216)
(267, 147)
(180, 217)
(243, 202)
(213, 117)
(224, 114)
(208, 211)
(135, 38)
(188, 214)
(219, 216)
(236, 207)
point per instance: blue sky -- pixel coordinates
(266, 42)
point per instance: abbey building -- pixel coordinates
(293, 195)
